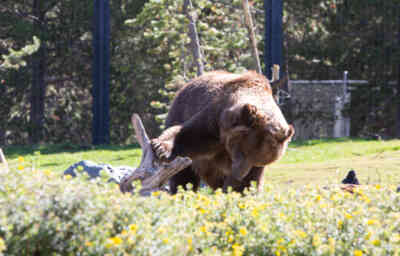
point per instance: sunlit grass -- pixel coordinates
(319, 161)
(305, 161)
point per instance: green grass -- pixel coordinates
(318, 161)
(312, 161)
(60, 157)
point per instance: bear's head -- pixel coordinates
(253, 138)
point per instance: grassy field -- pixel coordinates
(315, 161)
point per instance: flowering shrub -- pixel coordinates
(42, 213)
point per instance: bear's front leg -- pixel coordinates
(196, 137)
(162, 146)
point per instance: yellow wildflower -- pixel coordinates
(368, 236)
(241, 205)
(358, 253)
(378, 186)
(116, 240)
(316, 240)
(332, 244)
(21, 159)
(323, 206)
(203, 229)
(281, 248)
(348, 216)
(124, 232)
(47, 173)
(165, 240)
(255, 213)
(190, 244)
(301, 233)
(237, 250)
(2, 245)
(243, 231)
(318, 198)
(133, 228)
(113, 241)
(366, 199)
(340, 224)
(156, 193)
(202, 211)
(161, 230)
(218, 192)
(264, 227)
(230, 239)
(88, 244)
(376, 242)
(20, 167)
(373, 222)
(68, 177)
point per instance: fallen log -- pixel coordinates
(3, 160)
(152, 172)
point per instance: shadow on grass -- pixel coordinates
(47, 149)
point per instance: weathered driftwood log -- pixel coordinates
(151, 172)
(3, 159)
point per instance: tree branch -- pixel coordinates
(3, 159)
(194, 38)
(250, 29)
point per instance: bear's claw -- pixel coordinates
(161, 149)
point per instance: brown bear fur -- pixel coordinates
(229, 125)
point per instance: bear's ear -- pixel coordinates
(249, 115)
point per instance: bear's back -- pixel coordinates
(215, 86)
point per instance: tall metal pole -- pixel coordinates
(273, 35)
(398, 76)
(101, 63)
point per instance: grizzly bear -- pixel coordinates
(229, 125)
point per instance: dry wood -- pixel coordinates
(3, 159)
(194, 37)
(250, 29)
(151, 172)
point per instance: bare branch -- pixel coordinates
(250, 29)
(194, 37)
(151, 172)
(26, 16)
(3, 160)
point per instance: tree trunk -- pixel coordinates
(194, 37)
(250, 29)
(38, 88)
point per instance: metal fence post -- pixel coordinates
(273, 35)
(346, 101)
(101, 62)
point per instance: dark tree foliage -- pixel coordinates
(49, 100)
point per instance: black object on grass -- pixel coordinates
(351, 178)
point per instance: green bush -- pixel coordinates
(42, 213)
